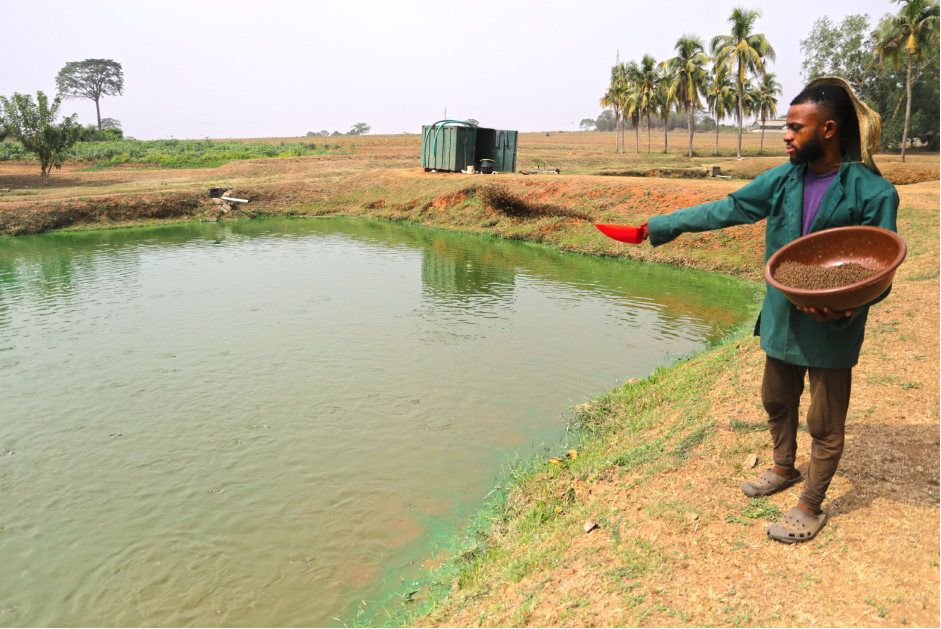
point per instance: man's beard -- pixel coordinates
(812, 149)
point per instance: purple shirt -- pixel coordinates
(815, 187)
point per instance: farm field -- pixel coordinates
(676, 544)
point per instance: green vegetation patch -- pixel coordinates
(175, 153)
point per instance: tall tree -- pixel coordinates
(610, 99)
(767, 91)
(606, 121)
(666, 101)
(623, 95)
(846, 50)
(720, 96)
(843, 50)
(34, 125)
(645, 89)
(630, 103)
(91, 79)
(903, 39)
(614, 98)
(744, 49)
(750, 99)
(689, 70)
(630, 111)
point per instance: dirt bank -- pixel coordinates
(410, 195)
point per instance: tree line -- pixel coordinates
(360, 128)
(684, 83)
(733, 78)
(894, 64)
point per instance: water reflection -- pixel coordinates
(449, 273)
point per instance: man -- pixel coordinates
(831, 181)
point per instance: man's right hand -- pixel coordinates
(825, 314)
(643, 235)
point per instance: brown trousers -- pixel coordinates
(781, 391)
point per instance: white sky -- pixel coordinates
(275, 68)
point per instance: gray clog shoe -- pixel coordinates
(797, 526)
(768, 483)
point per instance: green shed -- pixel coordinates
(498, 145)
(453, 148)
(447, 148)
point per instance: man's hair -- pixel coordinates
(832, 99)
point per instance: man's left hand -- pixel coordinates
(825, 314)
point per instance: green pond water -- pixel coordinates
(268, 423)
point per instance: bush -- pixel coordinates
(11, 150)
(91, 133)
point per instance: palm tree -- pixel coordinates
(628, 110)
(689, 68)
(632, 111)
(902, 38)
(631, 106)
(720, 97)
(614, 98)
(646, 89)
(630, 103)
(750, 100)
(745, 49)
(666, 100)
(767, 91)
(610, 100)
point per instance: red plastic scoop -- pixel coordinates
(623, 233)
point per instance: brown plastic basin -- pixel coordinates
(872, 247)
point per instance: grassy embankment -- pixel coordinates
(660, 465)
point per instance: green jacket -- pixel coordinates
(857, 196)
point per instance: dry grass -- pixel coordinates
(593, 153)
(913, 171)
(573, 152)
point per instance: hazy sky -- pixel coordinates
(275, 68)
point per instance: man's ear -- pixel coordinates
(830, 129)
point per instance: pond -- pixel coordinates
(266, 423)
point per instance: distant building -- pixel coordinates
(777, 124)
